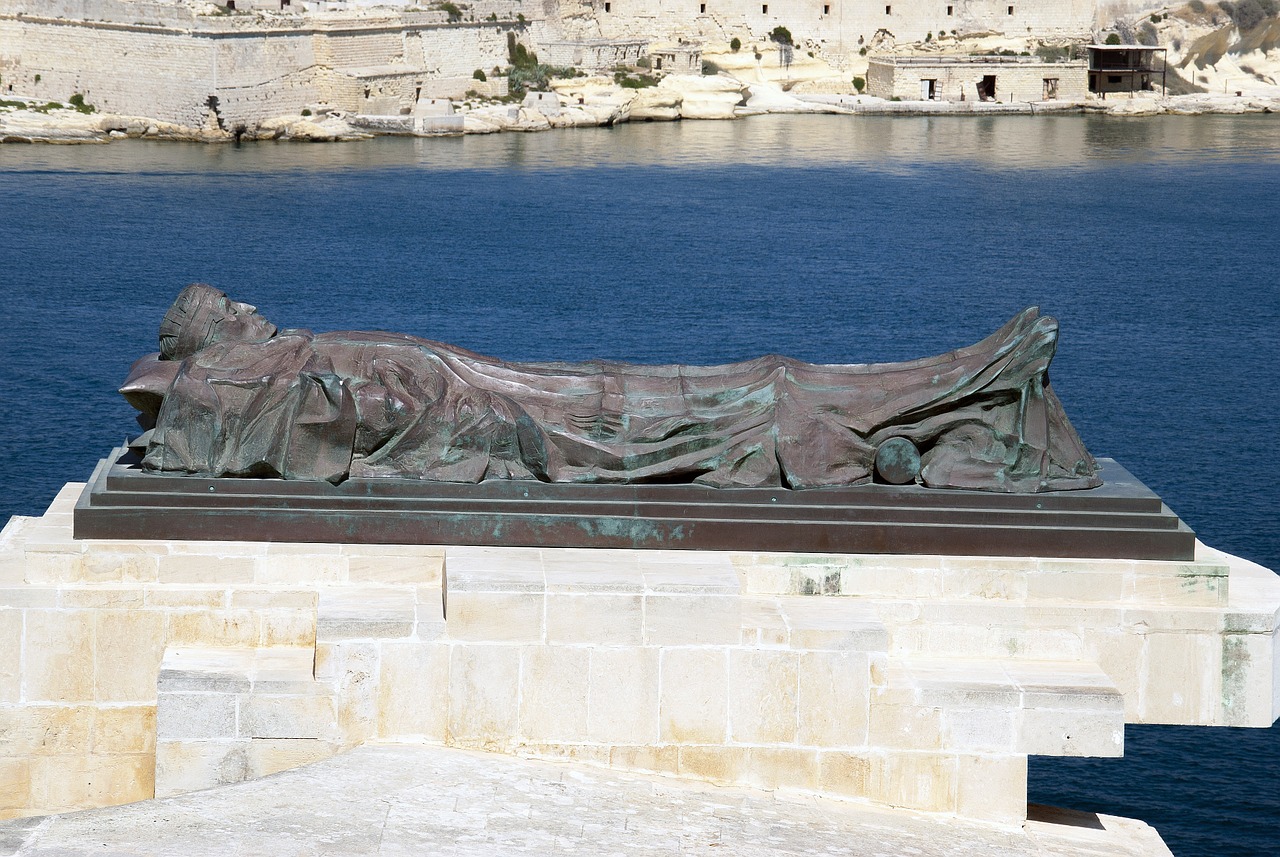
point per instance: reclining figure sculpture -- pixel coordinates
(230, 395)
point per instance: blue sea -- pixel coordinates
(835, 239)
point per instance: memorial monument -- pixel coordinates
(890, 584)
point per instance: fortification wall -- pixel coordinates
(167, 14)
(847, 23)
(119, 69)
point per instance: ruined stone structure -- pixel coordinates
(961, 78)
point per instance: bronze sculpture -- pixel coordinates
(230, 395)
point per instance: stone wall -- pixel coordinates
(132, 668)
(844, 25)
(958, 79)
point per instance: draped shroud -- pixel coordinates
(359, 404)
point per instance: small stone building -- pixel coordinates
(683, 58)
(594, 55)
(976, 78)
(1126, 68)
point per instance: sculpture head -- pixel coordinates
(203, 315)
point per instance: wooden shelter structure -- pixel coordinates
(1125, 68)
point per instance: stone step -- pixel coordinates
(1036, 708)
(226, 715)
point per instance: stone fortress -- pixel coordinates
(225, 64)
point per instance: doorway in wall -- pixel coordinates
(987, 88)
(928, 89)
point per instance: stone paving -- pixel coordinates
(399, 800)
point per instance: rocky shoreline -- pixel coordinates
(584, 102)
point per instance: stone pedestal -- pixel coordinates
(135, 668)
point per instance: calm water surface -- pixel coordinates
(833, 239)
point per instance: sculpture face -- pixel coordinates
(203, 315)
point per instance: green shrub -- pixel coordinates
(1112, 39)
(639, 81)
(862, 52)
(306, 111)
(644, 62)
(454, 13)
(479, 75)
(37, 78)
(1245, 14)
(928, 37)
(859, 83)
(534, 78)
(1147, 35)
(520, 17)
(77, 101)
(735, 44)
(1196, 6)
(781, 35)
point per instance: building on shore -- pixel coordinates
(975, 78)
(1126, 68)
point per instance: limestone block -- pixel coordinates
(186, 717)
(694, 701)
(209, 670)
(10, 655)
(45, 729)
(1184, 679)
(286, 628)
(595, 618)
(623, 697)
(130, 644)
(904, 726)
(717, 763)
(992, 788)
(29, 596)
(169, 596)
(493, 617)
(351, 612)
(270, 756)
(223, 628)
(15, 786)
(182, 767)
(287, 716)
(413, 690)
(57, 659)
(124, 729)
(429, 613)
(1194, 583)
(923, 781)
(1077, 580)
(267, 598)
(834, 699)
(579, 570)
(1070, 732)
(100, 596)
(844, 773)
(484, 685)
(683, 619)
(493, 570)
(782, 767)
(764, 688)
(985, 730)
(555, 682)
(206, 568)
(355, 692)
(696, 573)
(892, 576)
(661, 759)
(288, 564)
(64, 783)
(103, 567)
(763, 624)
(836, 624)
(394, 564)
(1120, 655)
(985, 577)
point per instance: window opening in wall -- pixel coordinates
(1113, 78)
(366, 92)
(608, 7)
(826, 9)
(702, 8)
(658, 63)
(1010, 10)
(764, 10)
(951, 10)
(888, 10)
(1050, 88)
(417, 93)
(987, 88)
(231, 4)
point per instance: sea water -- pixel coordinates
(834, 239)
